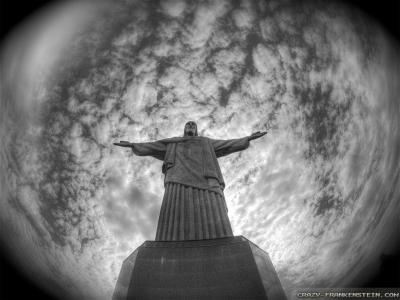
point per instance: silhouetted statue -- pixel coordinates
(193, 206)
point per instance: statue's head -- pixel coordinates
(190, 129)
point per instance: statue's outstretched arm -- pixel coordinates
(155, 149)
(257, 135)
(123, 144)
(225, 147)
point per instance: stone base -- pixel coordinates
(225, 268)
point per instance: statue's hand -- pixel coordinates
(124, 144)
(257, 135)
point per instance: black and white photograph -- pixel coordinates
(216, 149)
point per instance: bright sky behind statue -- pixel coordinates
(319, 192)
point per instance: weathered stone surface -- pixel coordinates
(124, 278)
(269, 278)
(225, 268)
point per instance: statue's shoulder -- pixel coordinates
(202, 139)
(171, 140)
(183, 139)
(205, 139)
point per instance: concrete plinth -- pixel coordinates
(225, 268)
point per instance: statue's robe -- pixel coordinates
(193, 206)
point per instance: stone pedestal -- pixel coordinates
(225, 268)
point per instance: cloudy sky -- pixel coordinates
(319, 193)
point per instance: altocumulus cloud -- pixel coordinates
(315, 189)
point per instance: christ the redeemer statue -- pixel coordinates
(193, 206)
